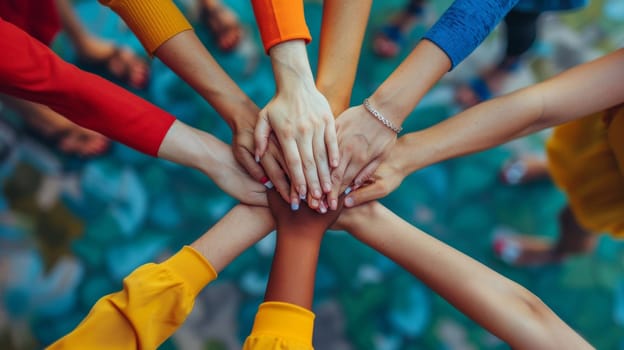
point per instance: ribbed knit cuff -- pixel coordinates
(280, 21)
(192, 267)
(152, 21)
(286, 320)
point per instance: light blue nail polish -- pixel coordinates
(302, 196)
(349, 202)
(268, 185)
(348, 190)
(294, 206)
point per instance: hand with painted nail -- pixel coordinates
(364, 143)
(301, 119)
(198, 149)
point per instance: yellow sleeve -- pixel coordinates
(152, 21)
(281, 326)
(154, 302)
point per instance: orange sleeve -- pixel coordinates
(280, 20)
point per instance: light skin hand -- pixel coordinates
(302, 121)
(197, 149)
(364, 142)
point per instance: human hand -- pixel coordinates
(383, 181)
(302, 121)
(364, 142)
(303, 222)
(219, 164)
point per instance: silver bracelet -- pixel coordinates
(380, 117)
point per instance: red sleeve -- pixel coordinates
(279, 21)
(30, 70)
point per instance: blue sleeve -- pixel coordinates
(465, 25)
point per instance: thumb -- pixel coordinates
(366, 194)
(261, 134)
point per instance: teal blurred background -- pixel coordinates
(102, 218)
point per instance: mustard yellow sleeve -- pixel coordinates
(281, 326)
(154, 302)
(152, 21)
(280, 20)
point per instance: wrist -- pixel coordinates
(414, 152)
(290, 65)
(387, 103)
(356, 219)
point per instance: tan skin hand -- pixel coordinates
(364, 143)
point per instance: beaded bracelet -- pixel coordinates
(380, 117)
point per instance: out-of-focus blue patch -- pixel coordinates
(122, 259)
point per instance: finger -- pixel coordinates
(313, 203)
(322, 166)
(294, 199)
(336, 176)
(277, 176)
(331, 141)
(310, 171)
(366, 173)
(293, 164)
(261, 134)
(366, 194)
(248, 162)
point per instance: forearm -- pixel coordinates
(280, 21)
(342, 33)
(242, 227)
(406, 86)
(498, 304)
(157, 298)
(294, 268)
(558, 100)
(291, 67)
(190, 60)
(31, 71)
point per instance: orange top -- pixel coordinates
(279, 21)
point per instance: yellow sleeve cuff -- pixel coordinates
(192, 268)
(284, 320)
(152, 21)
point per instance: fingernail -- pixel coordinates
(302, 191)
(334, 162)
(257, 158)
(327, 187)
(294, 206)
(268, 185)
(349, 202)
(323, 208)
(334, 204)
(357, 183)
(316, 193)
(314, 203)
(264, 179)
(302, 196)
(348, 190)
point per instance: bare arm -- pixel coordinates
(578, 92)
(157, 298)
(299, 236)
(500, 305)
(342, 33)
